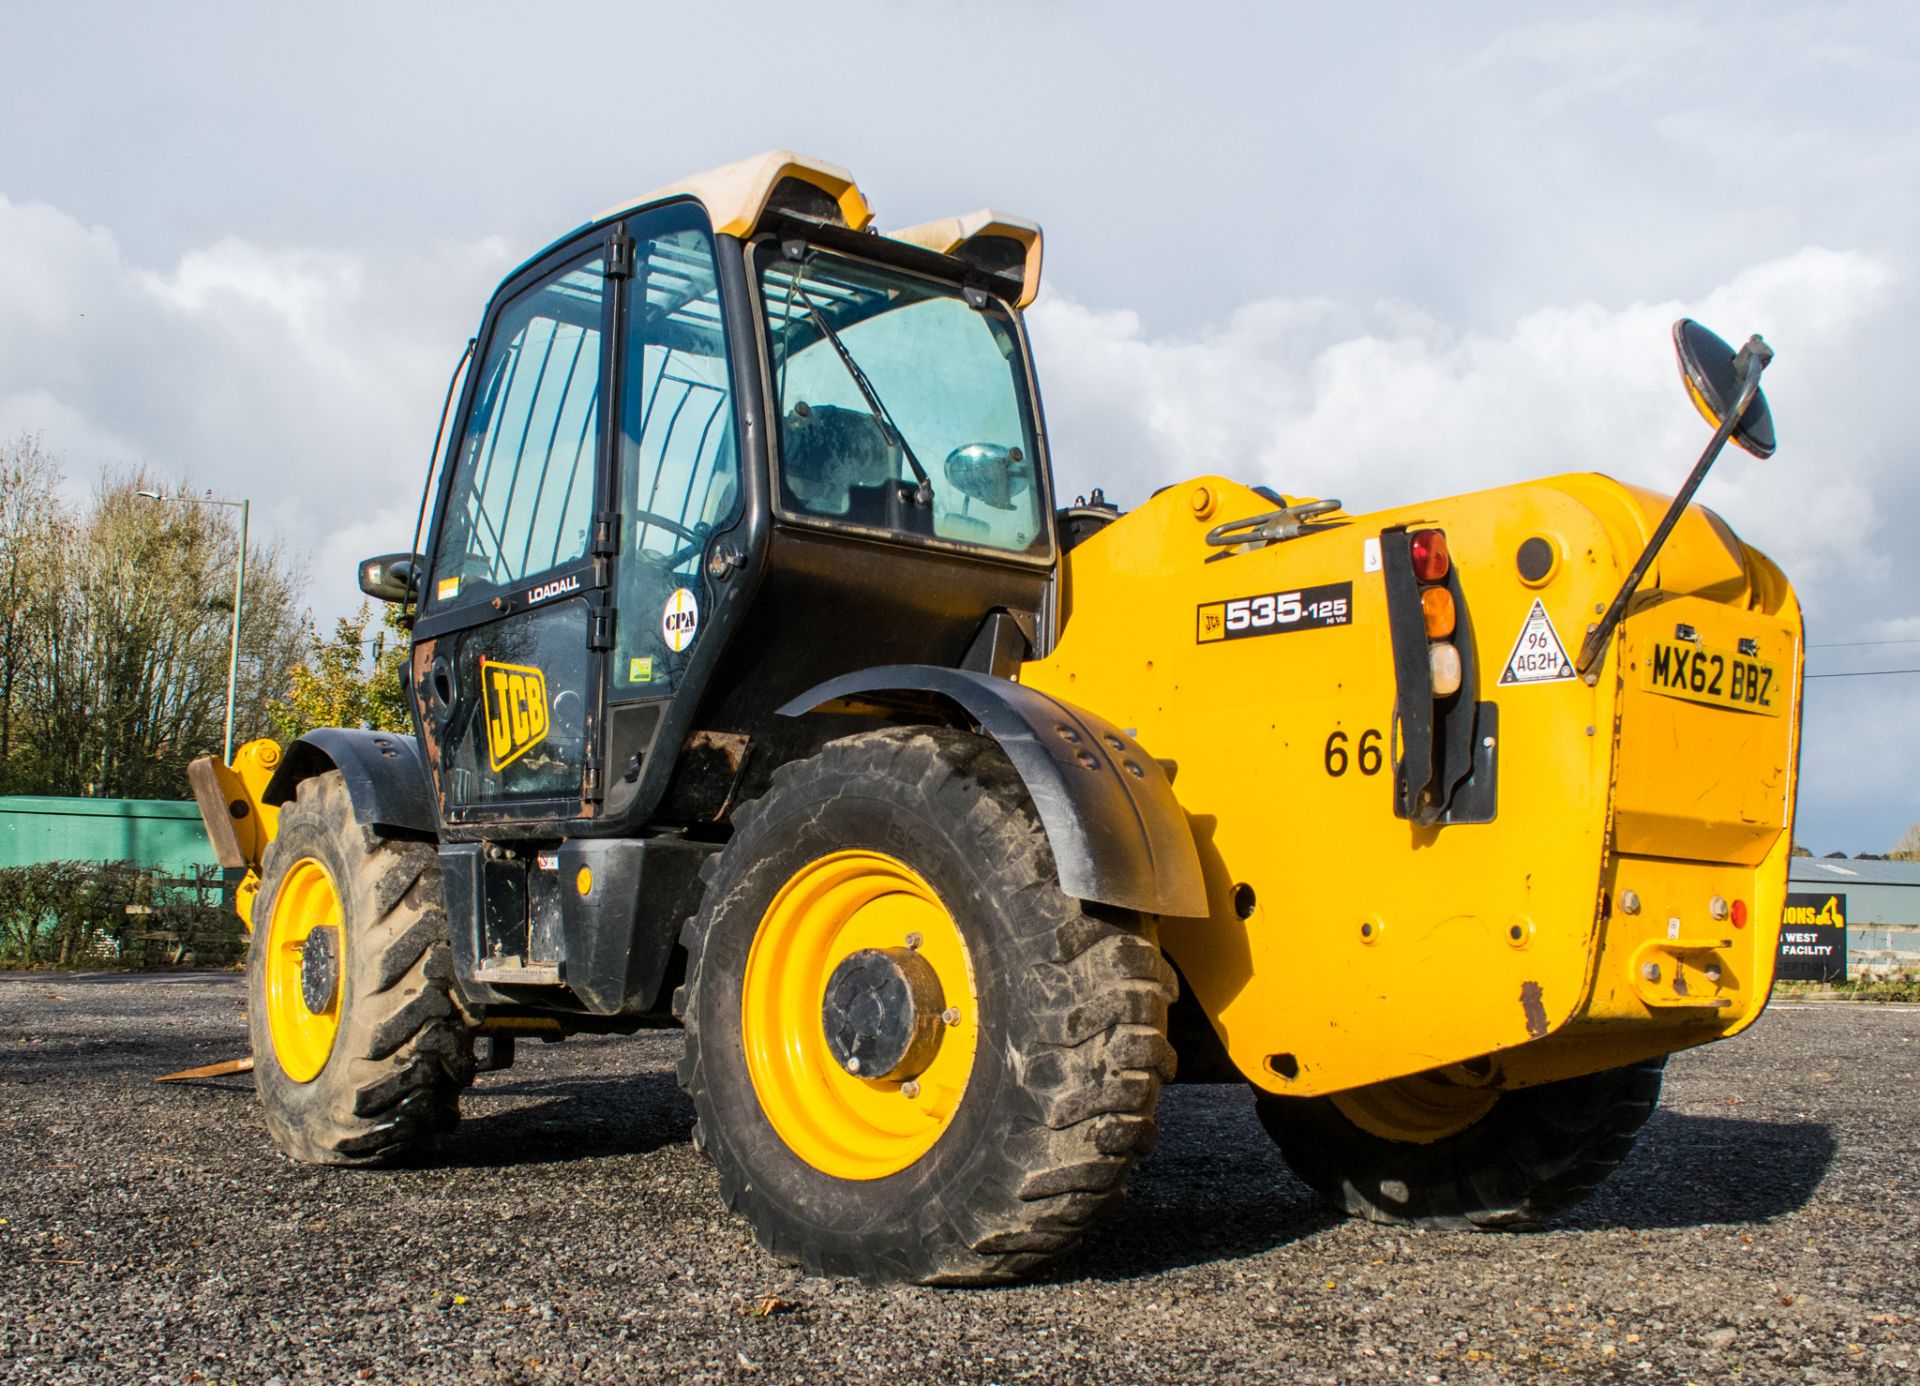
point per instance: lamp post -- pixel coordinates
(239, 593)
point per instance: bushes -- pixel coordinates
(86, 914)
(1893, 984)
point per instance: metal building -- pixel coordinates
(1878, 901)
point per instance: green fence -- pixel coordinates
(159, 834)
(117, 881)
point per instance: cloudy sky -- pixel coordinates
(1372, 251)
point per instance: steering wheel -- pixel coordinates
(696, 537)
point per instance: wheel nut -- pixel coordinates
(910, 1088)
(951, 1015)
(853, 1063)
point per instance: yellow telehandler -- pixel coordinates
(762, 685)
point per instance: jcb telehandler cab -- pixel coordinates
(763, 684)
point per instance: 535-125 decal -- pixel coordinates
(1275, 613)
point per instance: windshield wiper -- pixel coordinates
(924, 494)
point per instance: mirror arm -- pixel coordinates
(1752, 359)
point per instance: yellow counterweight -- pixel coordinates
(1347, 945)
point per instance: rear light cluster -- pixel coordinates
(1431, 564)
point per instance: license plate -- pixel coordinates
(1714, 677)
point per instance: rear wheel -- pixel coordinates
(1436, 1150)
(359, 1053)
(911, 1056)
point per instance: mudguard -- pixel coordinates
(1119, 836)
(386, 779)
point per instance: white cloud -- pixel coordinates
(308, 380)
(1385, 405)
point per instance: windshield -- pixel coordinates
(902, 405)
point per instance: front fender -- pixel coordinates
(387, 781)
(1119, 836)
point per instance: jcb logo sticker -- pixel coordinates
(516, 711)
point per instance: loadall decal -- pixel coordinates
(1275, 613)
(558, 587)
(516, 710)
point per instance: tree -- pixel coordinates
(1908, 848)
(118, 674)
(29, 529)
(348, 680)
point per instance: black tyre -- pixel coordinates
(911, 1056)
(359, 1053)
(1388, 1154)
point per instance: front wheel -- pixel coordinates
(359, 1053)
(1434, 1150)
(911, 1056)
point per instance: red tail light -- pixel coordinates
(1430, 558)
(1739, 913)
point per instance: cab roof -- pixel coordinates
(738, 196)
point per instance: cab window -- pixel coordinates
(903, 403)
(521, 501)
(679, 477)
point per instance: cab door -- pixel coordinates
(509, 647)
(678, 486)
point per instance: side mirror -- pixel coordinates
(1715, 374)
(1724, 385)
(390, 577)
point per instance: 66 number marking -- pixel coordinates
(1335, 758)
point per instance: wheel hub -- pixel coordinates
(1418, 1110)
(320, 970)
(803, 1018)
(882, 1013)
(301, 959)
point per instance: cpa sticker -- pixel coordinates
(680, 619)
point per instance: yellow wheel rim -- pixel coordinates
(302, 1037)
(842, 1125)
(1422, 1109)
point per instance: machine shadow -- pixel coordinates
(1216, 1189)
(1690, 1171)
(554, 1120)
(1141, 1237)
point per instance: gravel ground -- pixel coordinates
(1767, 1228)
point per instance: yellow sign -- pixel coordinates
(516, 710)
(1831, 915)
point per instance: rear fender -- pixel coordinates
(1119, 836)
